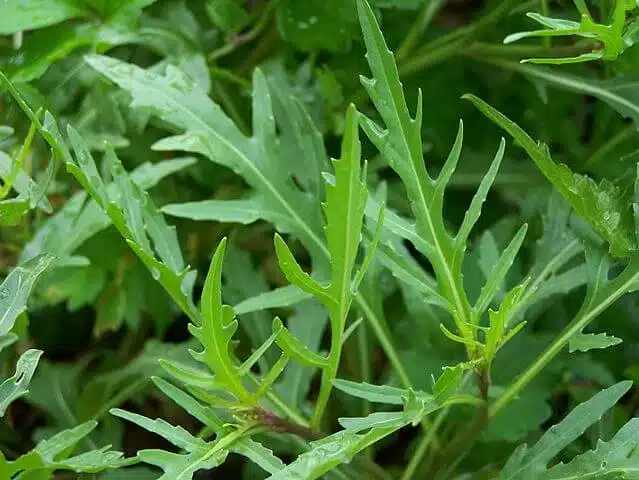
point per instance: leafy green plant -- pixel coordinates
(327, 304)
(610, 40)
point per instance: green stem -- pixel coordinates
(226, 441)
(282, 406)
(424, 19)
(447, 45)
(610, 145)
(429, 438)
(560, 259)
(609, 294)
(427, 58)
(416, 459)
(338, 322)
(240, 40)
(365, 363)
(383, 337)
(563, 81)
(19, 161)
(499, 50)
(460, 444)
(583, 8)
(224, 74)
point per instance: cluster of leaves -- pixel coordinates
(425, 313)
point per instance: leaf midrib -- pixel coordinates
(248, 164)
(375, 321)
(423, 210)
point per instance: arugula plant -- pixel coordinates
(383, 305)
(609, 40)
(54, 453)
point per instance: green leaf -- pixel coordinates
(8, 340)
(344, 212)
(243, 280)
(21, 182)
(216, 331)
(500, 269)
(119, 384)
(610, 36)
(17, 286)
(12, 211)
(400, 143)
(17, 386)
(332, 451)
(134, 215)
(374, 420)
(277, 298)
(78, 221)
(296, 275)
(587, 341)
(496, 335)
(602, 205)
(619, 92)
(395, 257)
(294, 347)
(199, 453)
(531, 462)
(55, 389)
(307, 325)
(252, 450)
(474, 210)
(613, 458)
(53, 452)
(175, 99)
(18, 16)
(227, 15)
(377, 393)
(43, 48)
(342, 446)
(317, 25)
(244, 211)
(448, 382)
(555, 251)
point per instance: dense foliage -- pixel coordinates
(243, 239)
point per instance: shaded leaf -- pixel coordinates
(17, 286)
(602, 205)
(17, 386)
(531, 462)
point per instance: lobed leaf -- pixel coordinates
(602, 205)
(198, 455)
(587, 341)
(531, 462)
(218, 324)
(17, 385)
(16, 288)
(377, 393)
(611, 37)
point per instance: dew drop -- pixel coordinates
(156, 273)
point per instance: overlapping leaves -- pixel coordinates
(604, 205)
(399, 142)
(613, 458)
